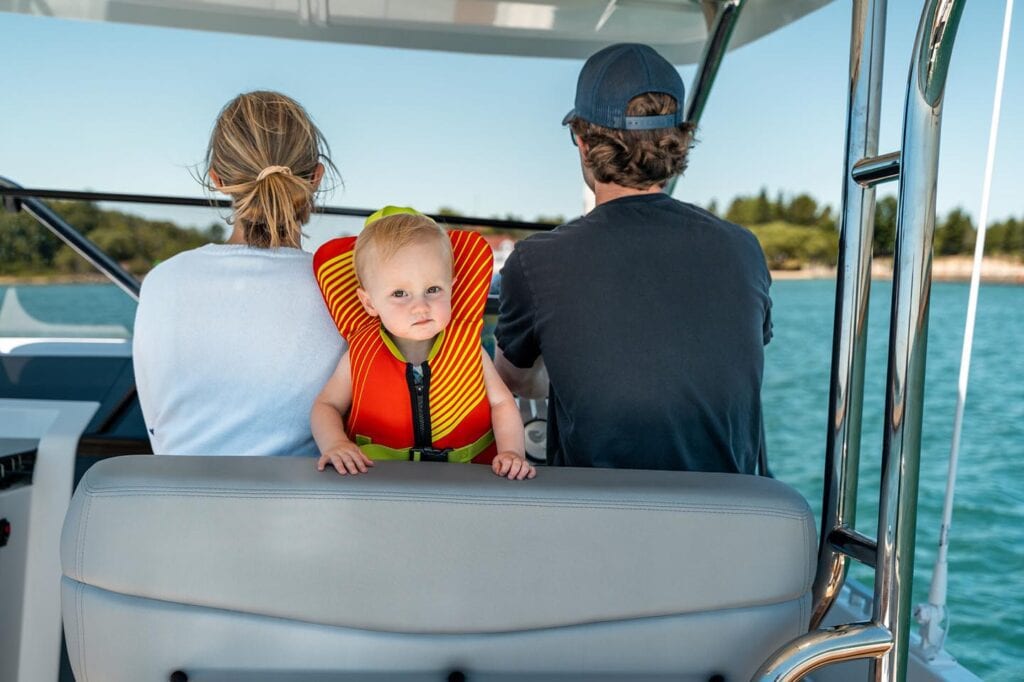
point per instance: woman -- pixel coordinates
(232, 341)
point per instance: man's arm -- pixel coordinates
(531, 382)
(517, 333)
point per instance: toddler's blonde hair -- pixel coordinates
(385, 237)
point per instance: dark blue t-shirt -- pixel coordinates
(651, 316)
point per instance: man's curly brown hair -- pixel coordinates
(637, 158)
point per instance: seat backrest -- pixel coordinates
(207, 563)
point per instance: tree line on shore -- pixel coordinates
(794, 232)
(29, 249)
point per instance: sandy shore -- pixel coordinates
(944, 269)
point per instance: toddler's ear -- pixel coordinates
(364, 298)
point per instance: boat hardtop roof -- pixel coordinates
(575, 29)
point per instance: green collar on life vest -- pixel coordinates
(393, 347)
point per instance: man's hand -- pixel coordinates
(347, 458)
(512, 466)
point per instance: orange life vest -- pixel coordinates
(450, 409)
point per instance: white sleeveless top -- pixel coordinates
(232, 344)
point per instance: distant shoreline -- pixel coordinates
(13, 280)
(944, 269)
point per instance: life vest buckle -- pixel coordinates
(429, 454)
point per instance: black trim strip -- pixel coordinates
(71, 195)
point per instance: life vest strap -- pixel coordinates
(376, 451)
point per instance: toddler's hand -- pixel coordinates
(512, 466)
(347, 458)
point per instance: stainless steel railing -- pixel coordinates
(885, 638)
(853, 287)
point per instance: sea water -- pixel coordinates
(986, 562)
(986, 553)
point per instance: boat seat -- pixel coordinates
(231, 566)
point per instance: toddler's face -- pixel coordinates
(411, 291)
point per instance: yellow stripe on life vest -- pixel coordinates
(469, 374)
(338, 283)
(455, 371)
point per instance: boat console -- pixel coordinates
(38, 444)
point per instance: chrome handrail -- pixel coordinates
(853, 286)
(904, 400)
(875, 170)
(825, 647)
(908, 331)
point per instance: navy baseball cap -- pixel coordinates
(617, 74)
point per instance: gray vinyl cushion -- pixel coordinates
(114, 638)
(436, 548)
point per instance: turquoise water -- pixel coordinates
(54, 309)
(986, 582)
(986, 570)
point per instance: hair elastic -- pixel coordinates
(270, 170)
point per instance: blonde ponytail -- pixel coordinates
(266, 154)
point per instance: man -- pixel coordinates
(651, 314)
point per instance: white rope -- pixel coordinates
(931, 615)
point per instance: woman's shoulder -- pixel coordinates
(185, 260)
(169, 269)
(217, 260)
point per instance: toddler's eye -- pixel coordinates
(398, 293)
(434, 290)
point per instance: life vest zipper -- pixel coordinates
(419, 394)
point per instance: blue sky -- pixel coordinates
(129, 109)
